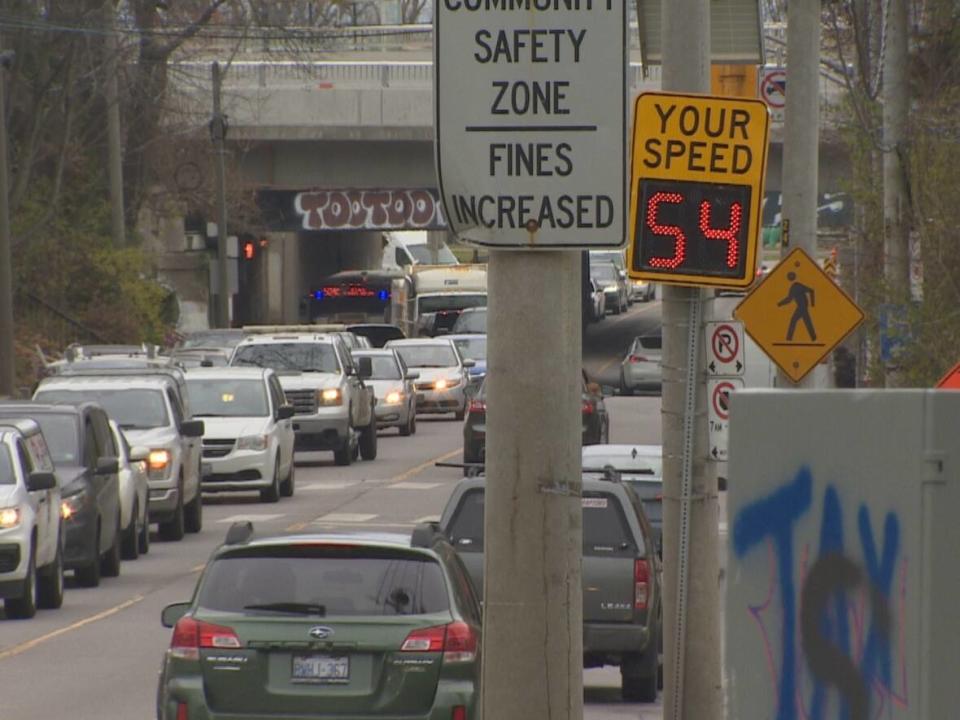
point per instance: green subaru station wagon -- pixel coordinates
(331, 626)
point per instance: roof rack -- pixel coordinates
(239, 533)
(171, 371)
(286, 329)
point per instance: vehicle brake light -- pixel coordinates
(478, 406)
(641, 575)
(587, 407)
(638, 358)
(190, 635)
(457, 641)
(459, 712)
(182, 711)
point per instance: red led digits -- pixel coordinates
(680, 246)
(728, 233)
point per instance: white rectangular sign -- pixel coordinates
(718, 414)
(530, 121)
(725, 348)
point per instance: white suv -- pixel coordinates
(152, 408)
(333, 406)
(31, 531)
(248, 433)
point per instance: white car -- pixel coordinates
(248, 432)
(31, 530)
(134, 496)
(392, 383)
(444, 374)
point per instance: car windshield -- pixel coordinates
(450, 301)
(214, 397)
(474, 321)
(212, 339)
(649, 465)
(7, 476)
(422, 254)
(132, 409)
(305, 357)
(62, 436)
(473, 348)
(384, 367)
(324, 580)
(427, 356)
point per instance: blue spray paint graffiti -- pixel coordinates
(823, 619)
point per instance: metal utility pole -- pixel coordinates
(801, 138)
(533, 614)
(114, 142)
(691, 593)
(896, 232)
(7, 366)
(218, 133)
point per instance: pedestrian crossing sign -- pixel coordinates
(798, 315)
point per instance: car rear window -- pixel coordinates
(343, 580)
(605, 528)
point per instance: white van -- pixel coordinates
(402, 248)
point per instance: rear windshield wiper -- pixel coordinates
(293, 608)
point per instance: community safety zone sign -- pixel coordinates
(530, 121)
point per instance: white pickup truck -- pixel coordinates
(333, 406)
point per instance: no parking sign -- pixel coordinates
(773, 90)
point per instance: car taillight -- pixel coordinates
(182, 711)
(587, 407)
(457, 641)
(641, 575)
(478, 406)
(190, 635)
(459, 713)
(638, 358)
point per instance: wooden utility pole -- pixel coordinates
(7, 363)
(218, 133)
(691, 593)
(114, 141)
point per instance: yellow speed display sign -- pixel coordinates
(698, 168)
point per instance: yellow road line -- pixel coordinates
(23, 647)
(406, 475)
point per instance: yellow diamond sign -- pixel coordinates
(797, 315)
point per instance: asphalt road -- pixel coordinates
(97, 657)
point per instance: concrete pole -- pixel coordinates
(533, 615)
(691, 592)
(801, 139)
(7, 363)
(218, 132)
(114, 142)
(896, 234)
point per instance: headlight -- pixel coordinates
(9, 517)
(252, 442)
(393, 397)
(73, 504)
(330, 396)
(158, 464)
(611, 288)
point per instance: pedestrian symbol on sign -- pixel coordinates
(803, 298)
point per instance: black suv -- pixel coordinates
(622, 614)
(86, 459)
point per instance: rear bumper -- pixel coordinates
(614, 638)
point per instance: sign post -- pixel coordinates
(530, 142)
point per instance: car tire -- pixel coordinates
(368, 440)
(50, 582)
(271, 494)
(605, 433)
(343, 455)
(624, 390)
(406, 430)
(639, 673)
(289, 482)
(130, 544)
(193, 513)
(25, 606)
(89, 575)
(173, 529)
(413, 422)
(144, 539)
(110, 561)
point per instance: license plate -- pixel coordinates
(206, 469)
(320, 668)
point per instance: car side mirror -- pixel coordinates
(107, 466)
(413, 374)
(284, 412)
(41, 481)
(469, 363)
(172, 613)
(192, 428)
(365, 367)
(139, 453)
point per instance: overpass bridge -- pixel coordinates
(339, 147)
